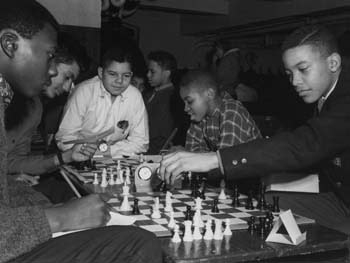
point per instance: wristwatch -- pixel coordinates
(103, 146)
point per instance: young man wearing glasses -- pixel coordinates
(102, 102)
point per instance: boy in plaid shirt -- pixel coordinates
(217, 120)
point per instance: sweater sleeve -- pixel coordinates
(21, 229)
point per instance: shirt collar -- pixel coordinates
(324, 97)
(162, 87)
(230, 51)
(104, 92)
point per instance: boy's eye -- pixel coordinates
(304, 69)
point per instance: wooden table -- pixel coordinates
(321, 243)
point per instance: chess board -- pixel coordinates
(238, 216)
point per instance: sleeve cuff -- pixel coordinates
(220, 162)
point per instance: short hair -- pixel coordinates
(25, 17)
(203, 79)
(70, 50)
(313, 35)
(120, 54)
(164, 59)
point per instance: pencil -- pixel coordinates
(69, 182)
(167, 142)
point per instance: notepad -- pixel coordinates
(293, 182)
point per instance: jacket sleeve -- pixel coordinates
(318, 140)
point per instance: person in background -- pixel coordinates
(28, 34)
(102, 103)
(313, 64)
(163, 104)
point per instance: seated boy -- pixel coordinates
(217, 120)
(313, 64)
(102, 103)
(163, 104)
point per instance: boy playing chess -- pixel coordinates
(313, 64)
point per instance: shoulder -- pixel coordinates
(133, 93)
(87, 87)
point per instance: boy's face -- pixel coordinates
(63, 81)
(311, 74)
(33, 62)
(156, 75)
(138, 83)
(196, 102)
(116, 77)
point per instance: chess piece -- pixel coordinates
(188, 213)
(215, 208)
(176, 237)
(127, 175)
(126, 189)
(95, 179)
(198, 204)
(249, 204)
(235, 197)
(227, 231)
(111, 178)
(203, 188)
(262, 227)
(171, 223)
(209, 235)
(120, 179)
(197, 219)
(125, 204)
(197, 233)
(218, 232)
(270, 220)
(136, 210)
(251, 225)
(104, 182)
(155, 212)
(262, 202)
(275, 206)
(222, 195)
(168, 202)
(188, 237)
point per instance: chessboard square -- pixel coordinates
(187, 199)
(154, 228)
(222, 206)
(210, 212)
(208, 198)
(185, 191)
(240, 214)
(145, 222)
(145, 198)
(180, 208)
(178, 205)
(226, 201)
(140, 217)
(237, 221)
(222, 216)
(113, 200)
(179, 196)
(190, 203)
(174, 201)
(211, 194)
(257, 213)
(142, 203)
(146, 211)
(161, 221)
(148, 202)
(178, 214)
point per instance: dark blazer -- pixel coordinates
(322, 143)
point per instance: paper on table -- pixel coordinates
(116, 220)
(292, 182)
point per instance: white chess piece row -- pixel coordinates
(197, 235)
(119, 179)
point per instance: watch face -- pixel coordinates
(145, 173)
(103, 147)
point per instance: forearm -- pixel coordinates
(128, 147)
(32, 164)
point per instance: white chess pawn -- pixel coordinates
(119, 179)
(168, 202)
(125, 204)
(176, 237)
(188, 237)
(104, 182)
(95, 179)
(198, 204)
(126, 189)
(209, 235)
(218, 232)
(127, 175)
(171, 223)
(222, 195)
(197, 233)
(155, 212)
(111, 178)
(197, 219)
(227, 231)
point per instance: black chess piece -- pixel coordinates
(202, 188)
(215, 208)
(275, 206)
(251, 225)
(136, 210)
(235, 197)
(269, 221)
(188, 213)
(262, 226)
(262, 205)
(249, 205)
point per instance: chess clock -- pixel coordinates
(103, 146)
(145, 175)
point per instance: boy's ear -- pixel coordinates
(99, 72)
(334, 62)
(8, 42)
(167, 73)
(211, 93)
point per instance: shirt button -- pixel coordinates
(244, 160)
(338, 184)
(234, 162)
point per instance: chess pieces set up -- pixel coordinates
(261, 225)
(115, 177)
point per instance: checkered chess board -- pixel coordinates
(238, 216)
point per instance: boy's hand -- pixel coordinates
(86, 212)
(80, 152)
(176, 163)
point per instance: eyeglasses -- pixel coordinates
(123, 76)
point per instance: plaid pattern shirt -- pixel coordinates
(5, 91)
(230, 124)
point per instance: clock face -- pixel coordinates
(103, 147)
(145, 173)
